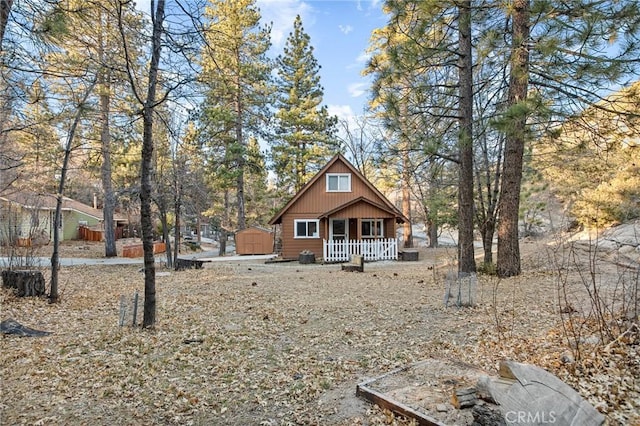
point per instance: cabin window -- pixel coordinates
(306, 228)
(338, 182)
(371, 228)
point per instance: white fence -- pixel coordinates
(378, 249)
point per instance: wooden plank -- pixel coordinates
(383, 401)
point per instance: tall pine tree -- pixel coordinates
(305, 132)
(565, 57)
(236, 74)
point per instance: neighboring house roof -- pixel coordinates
(33, 201)
(389, 207)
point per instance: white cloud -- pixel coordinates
(281, 14)
(371, 4)
(363, 57)
(361, 60)
(357, 89)
(344, 112)
(144, 6)
(346, 29)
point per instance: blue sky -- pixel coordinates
(340, 31)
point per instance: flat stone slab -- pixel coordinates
(11, 326)
(528, 395)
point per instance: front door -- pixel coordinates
(339, 230)
(338, 236)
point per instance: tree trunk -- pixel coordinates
(406, 196)
(240, 159)
(432, 230)
(177, 212)
(109, 202)
(5, 10)
(432, 216)
(466, 257)
(55, 256)
(487, 230)
(487, 216)
(508, 263)
(165, 233)
(222, 250)
(146, 219)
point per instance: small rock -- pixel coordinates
(441, 408)
(591, 340)
(567, 358)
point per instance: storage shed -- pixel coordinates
(254, 240)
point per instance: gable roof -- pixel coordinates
(393, 212)
(388, 206)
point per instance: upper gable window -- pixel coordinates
(338, 182)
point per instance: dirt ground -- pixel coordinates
(249, 343)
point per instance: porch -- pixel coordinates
(371, 249)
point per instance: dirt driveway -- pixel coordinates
(273, 344)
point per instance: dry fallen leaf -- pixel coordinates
(282, 352)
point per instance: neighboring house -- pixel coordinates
(339, 213)
(30, 216)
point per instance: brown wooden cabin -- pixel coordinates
(339, 213)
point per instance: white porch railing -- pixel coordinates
(378, 249)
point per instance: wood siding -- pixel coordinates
(254, 241)
(291, 246)
(314, 202)
(317, 200)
